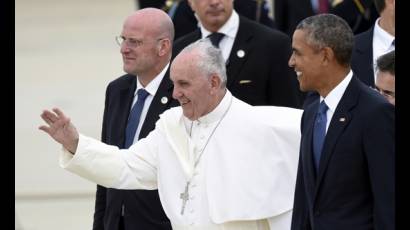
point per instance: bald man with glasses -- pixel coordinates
(132, 106)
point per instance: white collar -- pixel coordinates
(229, 29)
(153, 85)
(215, 114)
(334, 96)
(383, 38)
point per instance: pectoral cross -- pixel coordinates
(185, 197)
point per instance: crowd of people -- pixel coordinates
(244, 121)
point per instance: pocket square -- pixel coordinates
(244, 81)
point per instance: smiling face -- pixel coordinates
(306, 62)
(194, 90)
(213, 14)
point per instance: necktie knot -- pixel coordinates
(216, 38)
(142, 94)
(323, 108)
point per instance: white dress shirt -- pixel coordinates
(334, 96)
(382, 43)
(151, 88)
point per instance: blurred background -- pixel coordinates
(65, 55)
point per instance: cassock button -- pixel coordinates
(164, 100)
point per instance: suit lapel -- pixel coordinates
(242, 44)
(125, 100)
(340, 120)
(159, 104)
(307, 157)
(365, 53)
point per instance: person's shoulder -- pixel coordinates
(261, 30)
(124, 80)
(365, 35)
(372, 100)
(172, 113)
(184, 41)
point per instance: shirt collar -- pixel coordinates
(219, 111)
(230, 28)
(334, 96)
(215, 114)
(153, 85)
(383, 38)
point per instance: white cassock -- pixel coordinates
(244, 179)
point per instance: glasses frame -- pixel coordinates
(132, 42)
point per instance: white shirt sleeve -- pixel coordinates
(111, 167)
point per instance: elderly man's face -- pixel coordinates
(212, 13)
(192, 88)
(306, 62)
(386, 85)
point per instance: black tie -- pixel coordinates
(216, 38)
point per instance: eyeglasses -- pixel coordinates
(131, 42)
(386, 93)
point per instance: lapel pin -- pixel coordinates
(342, 119)
(164, 100)
(240, 53)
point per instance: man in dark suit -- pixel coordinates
(256, 55)
(146, 46)
(359, 14)
(185, 21)
(375, 42)
(346, 172)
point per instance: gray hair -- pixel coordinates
(329, 30)
(209, 59)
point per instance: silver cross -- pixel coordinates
(185, 197)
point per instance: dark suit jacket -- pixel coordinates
(362, 57)
(355, 185)
(185, 21)
(151, 3)
(262, 76)
(143, 209)
(288, 14)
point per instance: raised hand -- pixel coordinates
(60, 129)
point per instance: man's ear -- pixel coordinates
(216, 83)
(164, 46)
(328, 55)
